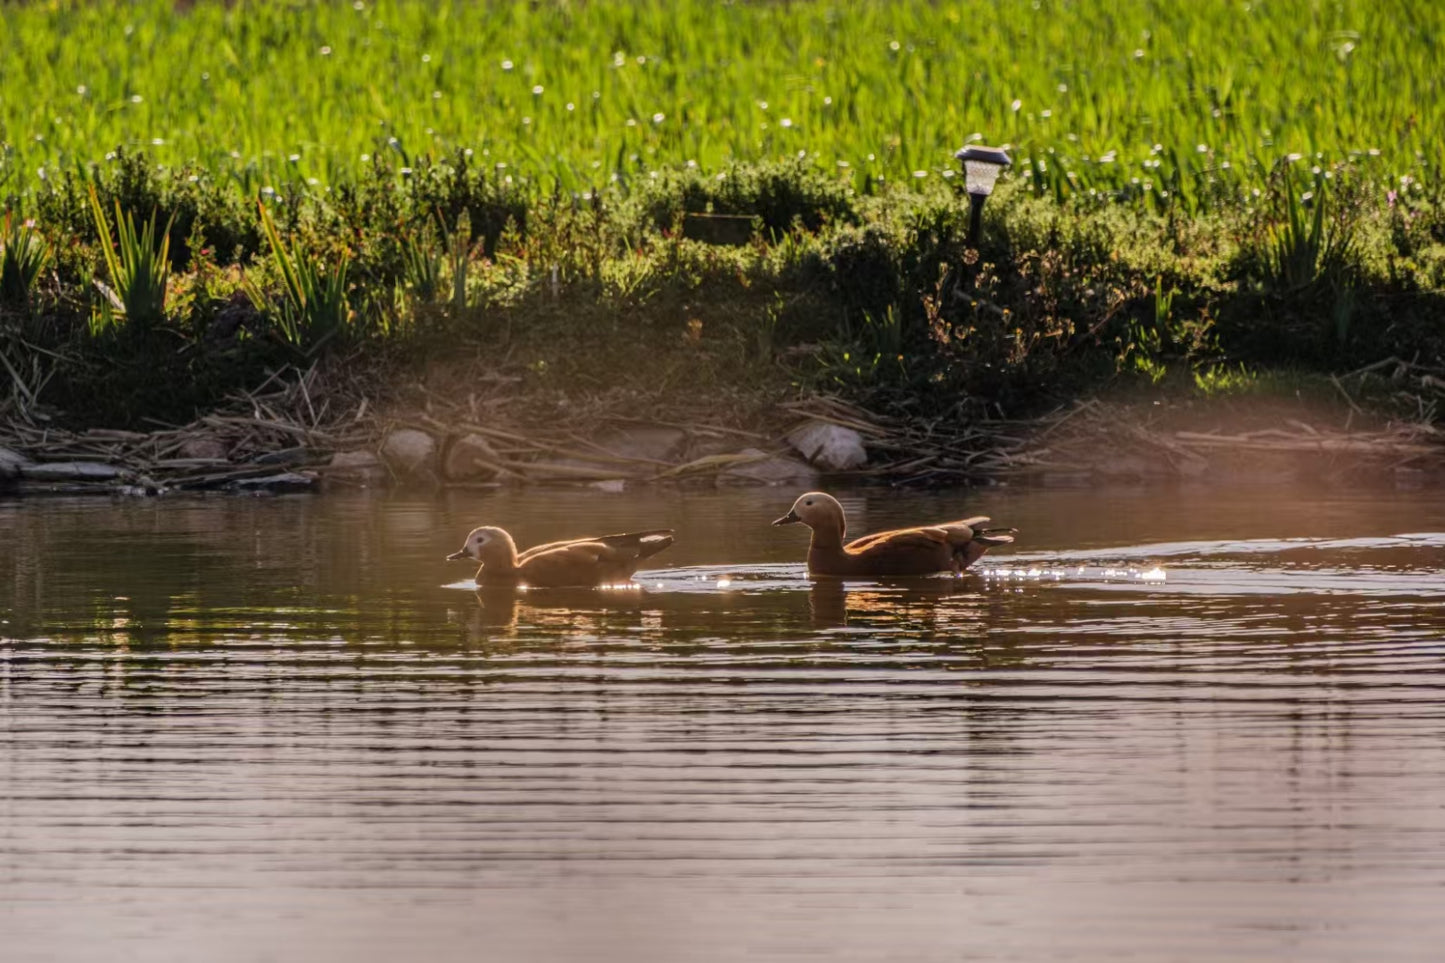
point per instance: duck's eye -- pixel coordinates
(808, 502)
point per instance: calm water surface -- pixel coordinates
(1175, 725)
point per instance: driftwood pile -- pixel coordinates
(262, 442)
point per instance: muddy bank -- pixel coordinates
(285, 438)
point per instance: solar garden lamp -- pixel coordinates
(981, 167)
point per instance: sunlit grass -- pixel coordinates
(1179, 102)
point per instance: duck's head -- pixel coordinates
(817, 510)
(483, 543)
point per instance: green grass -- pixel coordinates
(1182, 102)
(196, 193)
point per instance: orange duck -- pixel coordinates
(945, 547)
(604, 560)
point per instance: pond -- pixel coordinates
(1168, 724)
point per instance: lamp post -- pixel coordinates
(981, 167)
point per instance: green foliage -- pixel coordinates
(313, 307)
(138, 263)
(450, 190)
(781, 194)
(23, 255)
(190, 202)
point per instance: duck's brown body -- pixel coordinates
(603, 560)
(925, 550)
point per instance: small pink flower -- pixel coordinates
(1390, 196)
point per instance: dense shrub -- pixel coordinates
(880, 298)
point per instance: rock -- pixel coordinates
(1190, 465)
(11, 463)
(357, 468)
(142, 487)
(211, 449)
(770, 470)
(1410, 479)
(410, 453)
(650, 448)
(613, 485)
(469, 458)
(647, 443)
(70, 471)
(289, 481)
(830, 447)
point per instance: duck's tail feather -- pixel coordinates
(647, 543)
(653, 542)
(982, 541)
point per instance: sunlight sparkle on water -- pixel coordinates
(1059, 573)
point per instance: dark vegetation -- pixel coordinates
(129, 295)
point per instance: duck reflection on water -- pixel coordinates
(895, 603)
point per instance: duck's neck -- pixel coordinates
(828, 536)
(499, 557)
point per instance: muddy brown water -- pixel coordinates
(1204, 725)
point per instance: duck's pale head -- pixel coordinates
(817, 510)
(482, 543)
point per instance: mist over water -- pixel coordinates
(1189, 724)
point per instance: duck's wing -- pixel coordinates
(578, 562)
(591, 561)
(924, 536)
(899, 542)
(955, 544)
(646, 543)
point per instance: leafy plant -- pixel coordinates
(139, 266)
(422, 269)
(1306, 246)
(314, 306)
(459, 255)
(23, 255)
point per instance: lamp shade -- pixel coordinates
(981, 167)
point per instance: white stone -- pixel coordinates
(356, 467)
(11, 463)
(410, 452)
(830, 447)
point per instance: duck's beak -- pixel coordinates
(787, 519)
(458, 556)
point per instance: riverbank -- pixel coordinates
(313, 430)
(627, 337)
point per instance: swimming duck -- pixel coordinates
(945, 547)
(604, 560)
